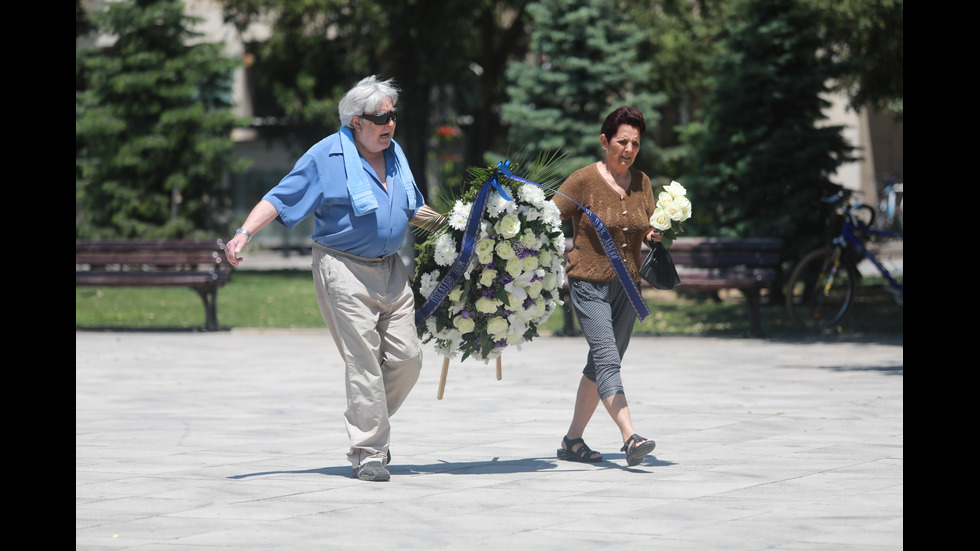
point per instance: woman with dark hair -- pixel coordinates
(622, 198)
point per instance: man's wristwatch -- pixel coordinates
(246, 232)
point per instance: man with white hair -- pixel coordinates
(357, 185)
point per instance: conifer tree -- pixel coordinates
(765, 154)
(152, 126)
(582, 64)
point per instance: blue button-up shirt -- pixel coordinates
(301, 193)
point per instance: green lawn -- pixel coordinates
(285, 299)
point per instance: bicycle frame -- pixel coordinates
(822, 286)
(848, 233)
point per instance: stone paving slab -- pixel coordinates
(235, 441)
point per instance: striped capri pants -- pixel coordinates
(606, 316)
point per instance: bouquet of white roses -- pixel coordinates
(511, 283)
(673, 207)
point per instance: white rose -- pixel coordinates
(487, 277)
(505, 250)
(484, 251)
(660, 220)
(684, 205)
(508, 226)
(465, 325)
(673, 210)
(534, 289)
(497, 326)
(485, 305)
(515, 266)
(544, 258)
(676, 189)
(530, 263)
(550, 281)
(456, 293)
(529, 240)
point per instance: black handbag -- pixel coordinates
(658, 268)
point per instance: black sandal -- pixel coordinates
(636, 448)
(582, 455)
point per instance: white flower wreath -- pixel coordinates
(510, 286)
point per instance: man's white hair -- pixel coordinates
(365, 97)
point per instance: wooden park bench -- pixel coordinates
(713, 264)
(200, 265)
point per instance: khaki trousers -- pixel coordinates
(369, 307)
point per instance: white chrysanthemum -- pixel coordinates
(445, 349)
(459, 215)
(428, 283)
(445, 252)
(551, 215)
(532, 194)
(528, 213)
(497, 205)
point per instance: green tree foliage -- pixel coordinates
(152, 126)
(582, 63)
(679, 36)
(868, 35)
(446, 56)
(764, 157)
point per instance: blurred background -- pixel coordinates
(187, 112)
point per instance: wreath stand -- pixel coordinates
(445, 372)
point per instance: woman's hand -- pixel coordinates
(654, 236)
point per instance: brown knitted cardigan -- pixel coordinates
(627, 218)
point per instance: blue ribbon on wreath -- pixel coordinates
(472, 229)
(466, 251)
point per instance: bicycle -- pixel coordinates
(890, 215)
(821, 288)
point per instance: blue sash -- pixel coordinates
(608, 245)
(472, 230)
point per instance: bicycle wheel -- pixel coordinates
(821, 290)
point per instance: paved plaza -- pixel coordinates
(235, 440)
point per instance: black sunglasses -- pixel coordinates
(382, 119)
